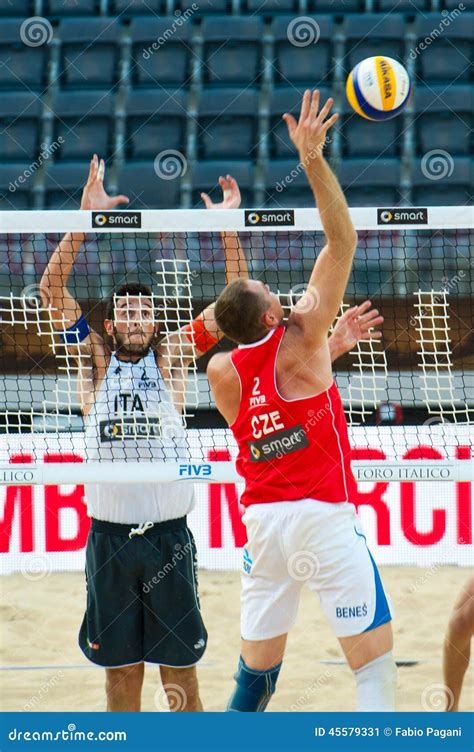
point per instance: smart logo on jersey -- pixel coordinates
(117, 219)
(121, 429)
(269, 218)
(402, 216)
(278, 444)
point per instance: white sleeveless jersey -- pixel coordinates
(134, 419)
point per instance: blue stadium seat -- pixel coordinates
(206, 174)
(54, 8)
(84, 120)
(455, 188)
(401, 6)
(370, 34)
(232, 51)
(370, 182)
(363, 138)
(89, 52)
(22, 66)
(447, 54)
(452, 4)
(146, 189)
(23, 8)
(444, 118)
(227, 123)
(20, 115)
(13, 194)
(336, 6)
(285, 99)
(307, 63)
(63, 185)
(155, 119)
(205, 7)
(168, 61)
(126, 8)
(270, 7)
(286, 185)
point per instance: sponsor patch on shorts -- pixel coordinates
(278, 444)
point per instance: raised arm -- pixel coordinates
(331, 271)
(53, 285)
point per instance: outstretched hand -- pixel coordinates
(309, 133)
(357, 323)
(94, 195)
(230, 192)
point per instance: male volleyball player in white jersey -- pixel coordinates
(142, 601)
(277, 393)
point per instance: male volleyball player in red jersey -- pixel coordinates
(277, 393)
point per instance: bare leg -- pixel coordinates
(457, 645)
(182, 689)
(124, 688)
(363, 648)
(261, 655)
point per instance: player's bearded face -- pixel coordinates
(134, 326)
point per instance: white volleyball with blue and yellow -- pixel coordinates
(378, 88)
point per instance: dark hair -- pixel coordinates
(239, 311)
(130, 288)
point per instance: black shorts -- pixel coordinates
(142, 596)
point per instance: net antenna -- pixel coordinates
(435, 357)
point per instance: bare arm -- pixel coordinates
(356, 323)
(331, 271)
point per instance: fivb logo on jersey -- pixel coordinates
(116, 219)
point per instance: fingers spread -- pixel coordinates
(305, 106)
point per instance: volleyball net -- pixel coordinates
(408, 397)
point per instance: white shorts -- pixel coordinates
(291, 543)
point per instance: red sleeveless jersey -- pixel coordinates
(288, 449)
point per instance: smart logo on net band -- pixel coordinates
(117, 219)
(269, 218)
(408, 216)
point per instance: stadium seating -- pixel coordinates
(154, 118)
(205, 7)
(285, 99)
(336, 6)
(126, 8)
(370, 182)
(168, 62)
(23, 8)
(232, 52)
(206, 174)
(447, 49)
(444, 118)
(21, 66)
(309, 64)
(227, 123)
(270, 7)
(369, 33)
(13, 194)
(20, 114)
(64, 184)
(454, 186)
(89, 52)
(145, 189)
(85, 122)
(401, 6)
(362, 138)
(52, 8)
(286, 185)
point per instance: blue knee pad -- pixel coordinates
(254, 688)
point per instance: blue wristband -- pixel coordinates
(75, 333)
